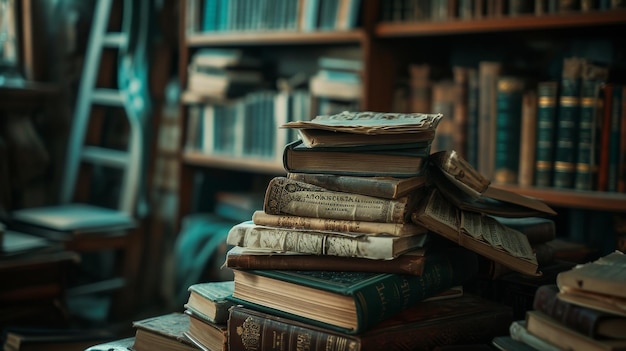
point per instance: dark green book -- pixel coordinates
(208, 300)
(350, 302)
(508, 124)
(546, 119)
(567, 124)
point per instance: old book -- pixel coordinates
(124, 344)
(518, 332)
(397, 162)
(488, 72)
(337, 225)
(547, 102)
(386, 187)
(588, 321)
(479, 233)
(411, 262)
(350, 302)
(528, 139)
(208, 300)
(507, 343)
(444, 96)
(52, 339)
(205, 334)
(376, 246)
(366, 128)
(598, 284)
(163, 332)
(290, 197)
(557, 334)
(420, 87)
(509, 94)
(467, 319)
(537, 229)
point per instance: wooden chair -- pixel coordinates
(84, 222)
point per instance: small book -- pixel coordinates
(350, 302)
(208, 300)
(163, 332)
(205, 334)
(400, 162)
(411, 262)
(379, 246)
(386, 187)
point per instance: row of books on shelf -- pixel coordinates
(210, 16)
(445, 10)
(563, 133)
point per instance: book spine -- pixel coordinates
(472, 117)
(285, 196)
(337, 225)
(567, 125)
(605, 135)
(621, 177)
(508, 122)
(583, 320)
(589, 108)
(528, 139)
(252, 330)
(489, 71)
(614, 139)
(546, 118)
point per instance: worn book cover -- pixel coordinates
(163, 332)
(350, 302)
(206, 334)
(411, 262)
(396, 162)
(378, 246)
(384, 186)
(208, 300)
(290, 197)
(424, 326)
(337, 225)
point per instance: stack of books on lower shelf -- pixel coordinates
(584, 310)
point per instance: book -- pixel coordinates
(557, 334)
(444, 96)
(479, 233)
(598, 284)
(53, 339)
(163, 332)
(206, 334)
(124, 344)
(373, 246)
(411, 262)
(357, 162)
(509, 94)
(537, 229)
(518, 332)
(208, 300)
(547, 102)
(337, 225)
(467, 319)
(366, 128)
(349, 302)
(528, 139)
(383, 186)
(420, 87)
(290, 197)
(223, 58)
(488, 72)
(588, 321)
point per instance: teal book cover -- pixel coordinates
(508, 124)
(546, 120)
(376, 296)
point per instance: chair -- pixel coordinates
(85, 223)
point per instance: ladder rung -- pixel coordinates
(110, 97)
(107, 157)
(114, 40)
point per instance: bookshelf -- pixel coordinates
(386, 48)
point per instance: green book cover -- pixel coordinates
(546, 118)
(377, 296)
(214, 293)
(508, 125)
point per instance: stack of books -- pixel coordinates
(337, 85)
(584, 310)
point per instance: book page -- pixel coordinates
(441, 211)
(497, 235)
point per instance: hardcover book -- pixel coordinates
(350, 302)
(336, 225)
(509, 93)
(386, 187)
(206, 334)
(397, 162)
(411, 262)
(547, 95)
(164, 332)
(466, 320)
(290, 197)
(379, 246)
(208, 300)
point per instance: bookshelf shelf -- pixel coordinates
(274, 38)
(591, 200)
(501, 24)
(195, 158)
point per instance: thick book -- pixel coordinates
(348, 129)
(479, 233)
(384, 186)
(285, 196)
(205, 334)
(399, 162)
(598, 284)
(424, 326)
(411, 262)
(163, 332)
(588, 321)
(208, 299)
(336, 225)
(350, 302)
(379, 246)
(547, 102)
(557, 334)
